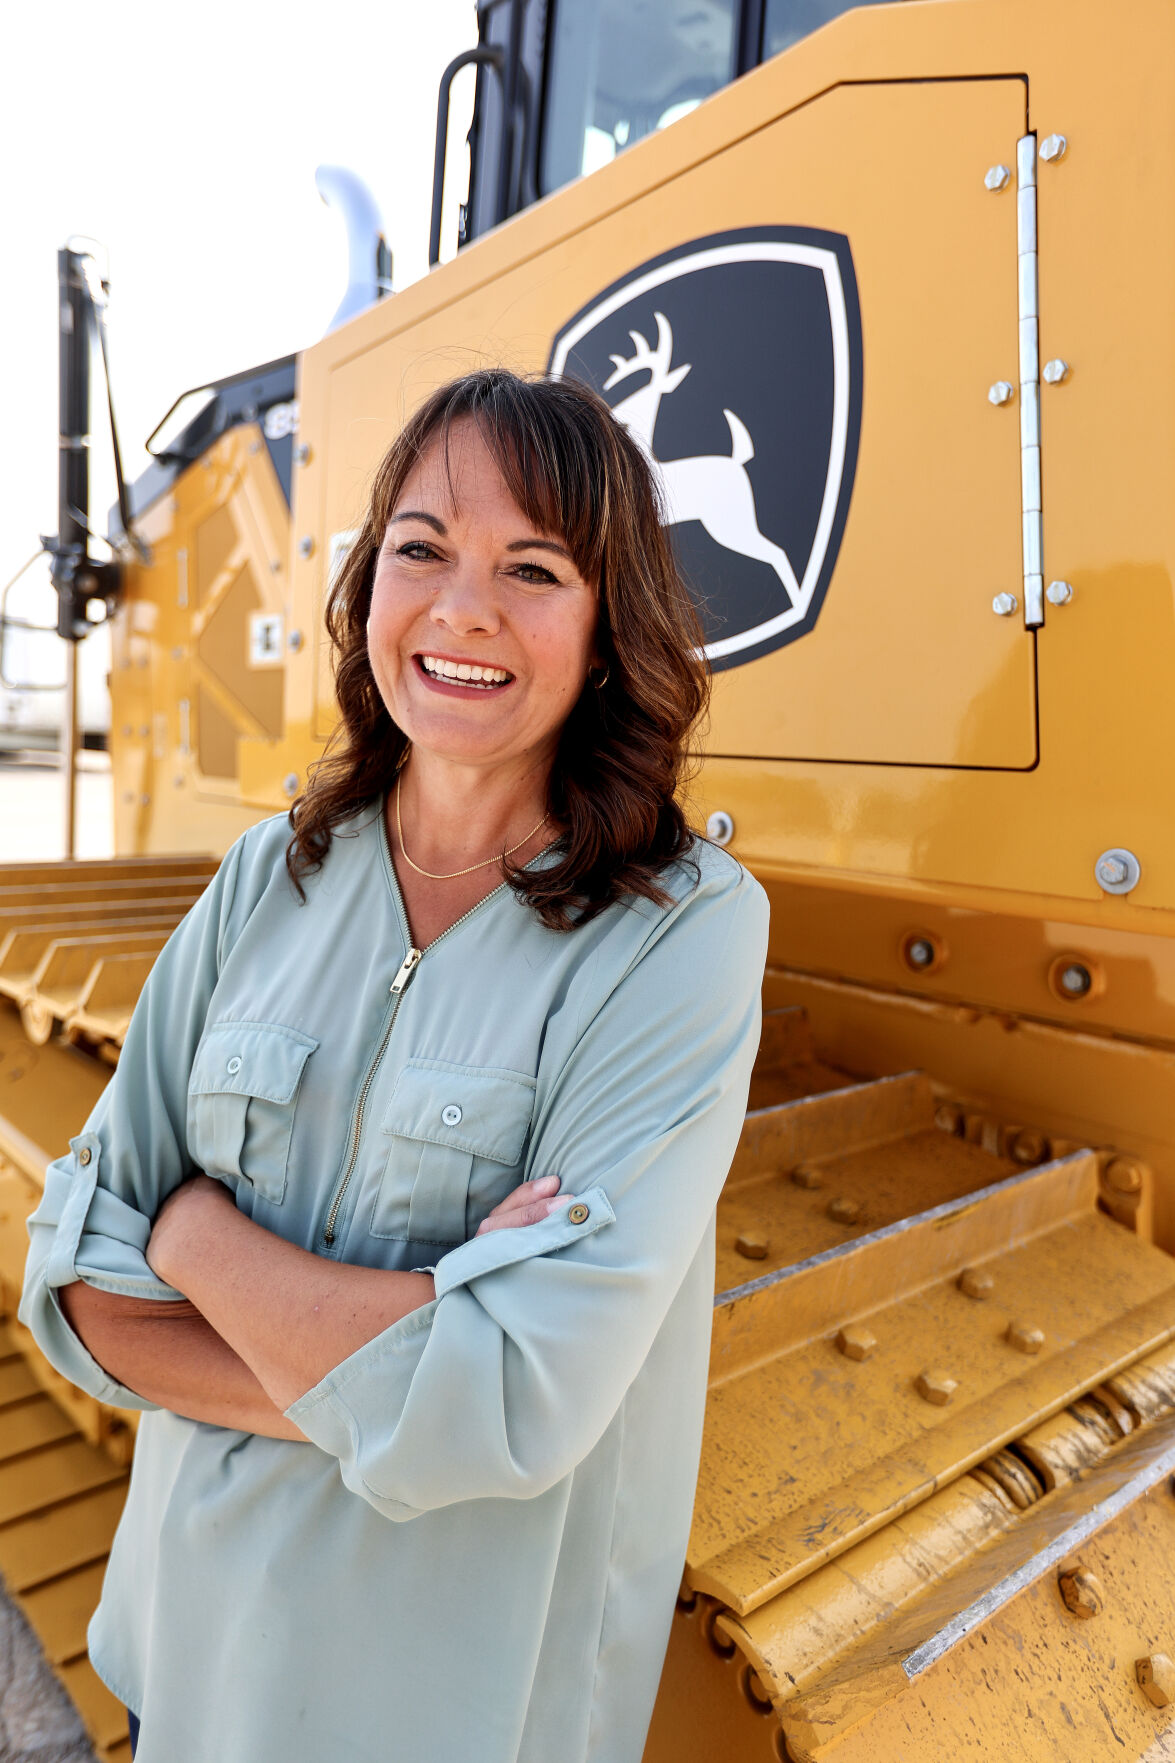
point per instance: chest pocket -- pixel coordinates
(241, 1100)
(458, 1134)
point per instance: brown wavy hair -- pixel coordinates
(621, 758)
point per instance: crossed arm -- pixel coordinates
(263, 1320)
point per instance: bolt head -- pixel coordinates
(1030, 1146)
(948, 1117)
(1053, 148)
(844, 1211)
(720, 827)
(806, 1175)
(1004, 605)
(1075, 980)
(856, 1342)
(936, 1387)
(1156, 1678)
(1002, 392)
(752, 1244)
(290, 783)
(1124, 1175)
(1118, 871)
(294, 641)
(306, 546)
(1024, 1338)
(976, 1283)
(1053, 372)
(920, 952)
(998, 177)
(1081, 1591)
(1059, 593)
(301, 453)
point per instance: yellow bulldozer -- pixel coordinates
(887, 294)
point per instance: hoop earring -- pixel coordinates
(603, 679)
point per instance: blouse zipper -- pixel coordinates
(404, 973)
(398, 987)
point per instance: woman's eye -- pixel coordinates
(417, 549)
(535, 572)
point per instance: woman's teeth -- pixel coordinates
(488, 678)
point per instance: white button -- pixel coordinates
(451, 1115)
(234, 1065)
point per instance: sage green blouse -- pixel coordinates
(476, 1556)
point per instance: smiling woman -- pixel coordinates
(397, 1217)
(515, 525)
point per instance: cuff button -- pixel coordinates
(577, 1214)
(84, 1155)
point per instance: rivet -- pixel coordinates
(948, 1117)
(1004, 605)
(1081, 1591)
(1156, 1678)
(845, 1211)
(720, 827)
(301, 454)
(975, 1282)
(1053, 148)
(806, 1175)
(294, 641)
(998, 177)
(1053, 372)
(1059, 593)
(752, 1244)
(1124, 1175)
(936, 1386)
(290, 783)
(1002, 392)
(856, 1342)
(84, 1155)
(306, 546)
(1024, 1337)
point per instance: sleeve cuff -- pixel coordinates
(100, 1239)
(503, 1248)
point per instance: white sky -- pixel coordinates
(186, 140)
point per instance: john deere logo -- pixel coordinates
(735, 361)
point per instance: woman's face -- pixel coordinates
(464, 583)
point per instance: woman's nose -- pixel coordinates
(466, 604)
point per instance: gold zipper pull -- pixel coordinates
(406, 970)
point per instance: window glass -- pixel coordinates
(621, 68)
(786, 21)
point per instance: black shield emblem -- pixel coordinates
(735, 360)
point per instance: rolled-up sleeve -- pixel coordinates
(94, 1219)
(508, 1379)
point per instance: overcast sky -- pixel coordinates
(186, 140)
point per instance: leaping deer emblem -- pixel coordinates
(711, 488)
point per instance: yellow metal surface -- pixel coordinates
(781, 1391)
(188, 693)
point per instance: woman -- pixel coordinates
(464, 1068)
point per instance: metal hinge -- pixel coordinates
(1028, 304)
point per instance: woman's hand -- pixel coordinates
(528, 1204)
(192, 1205)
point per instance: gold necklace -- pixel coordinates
(454, 873)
